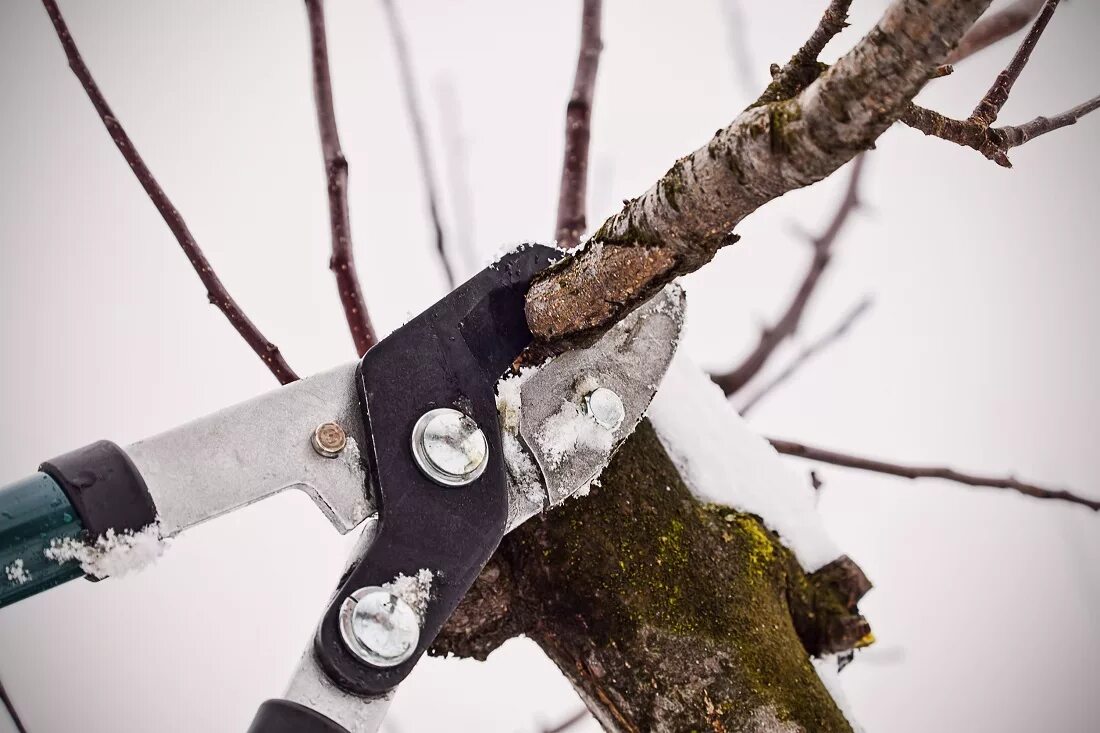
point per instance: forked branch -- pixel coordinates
(216, 291)
(342, 262)
(1010, 483)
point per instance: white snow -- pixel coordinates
(415, 590)
(17, 573)
(112, 554)
(352, 458)
(829, 672)
(725, 462)
(521, 467)
(571, 428)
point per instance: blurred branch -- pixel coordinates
(342, 262)
(977, 132)
(914, 472)
(734, 14)
(994, 27)
(572, 221)
(215, 290)
(423, 150)
(804, 67)
(455, 147)
(770, 339)
(577, 717)
(6, 701)
(809, 352)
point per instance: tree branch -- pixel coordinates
(342, 262)
(416, 118)
(770, 339)
(803, 67)
(10, 707)
(914, 472)
(215, 290)
(569, 722)
(679, 224)
(578, 125)
(994, 27)
(809, 352)
(990, 106)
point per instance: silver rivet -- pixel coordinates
(379, 627)
(449, 447)
(329, 439)
(605, 407)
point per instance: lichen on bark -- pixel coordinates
(665, 613)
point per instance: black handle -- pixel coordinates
(284, 716)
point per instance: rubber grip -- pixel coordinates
(283, 716)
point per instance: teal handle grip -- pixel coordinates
(33, 512)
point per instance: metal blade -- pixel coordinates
(255, 449)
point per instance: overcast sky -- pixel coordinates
(981, 351)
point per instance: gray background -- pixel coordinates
(982, 350)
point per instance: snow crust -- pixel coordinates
(16, 573)
(415, 590)
(829, 672)
(521, 466)
(725, 462)
(569, 429)
(112, 554)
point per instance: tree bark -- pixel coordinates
(665, 613)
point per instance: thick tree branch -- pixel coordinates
(342, 262)
(770, 339)
(416, 118)
(573, 192)
(914, 472)
(808, 353)
(994, 27)
(215, 290)
(680, 223)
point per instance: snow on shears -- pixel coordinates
(431, 442)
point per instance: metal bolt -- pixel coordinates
(605, 407)
(329, 439)
(449, 447)
(379, 627)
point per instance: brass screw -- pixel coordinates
(329, 439)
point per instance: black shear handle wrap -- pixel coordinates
(283, 716)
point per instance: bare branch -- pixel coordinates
(738, 39)
(732, 381)
(809, 352)
(458, 184)
(569, 722)
(1014, 136)
(994, 27)
(342, 262)
(10, 707)
(215, 290)
(803, 67)
(572, 194)
(423, 150)
(679, 224)
(914, 472)
(990, 106)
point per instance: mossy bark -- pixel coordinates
(665, 613)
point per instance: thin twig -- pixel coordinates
(342, 262)
(458, 184)
(572, 194)
(809, 352)
(990, 106)
(569, 722)
(215, 290)
(738, 40)
(787, 325)
(416, 118)
(1014, 136)
(803, 67)
(10, 707)
(994, 27)
(914, 472)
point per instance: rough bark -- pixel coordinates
(680, 223)
(667, 614)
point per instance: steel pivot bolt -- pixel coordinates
(605, 407)
(329, 439)
(449, 447)
(379, 627)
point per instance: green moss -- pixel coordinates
(780, 116)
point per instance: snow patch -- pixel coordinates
(725, 462)
(16, 573)
(828, 670)
(352, 458)
(571, 428)
(415, 590)
(112, 554)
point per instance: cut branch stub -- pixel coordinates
(679, 224)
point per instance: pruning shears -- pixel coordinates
(435, 443)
